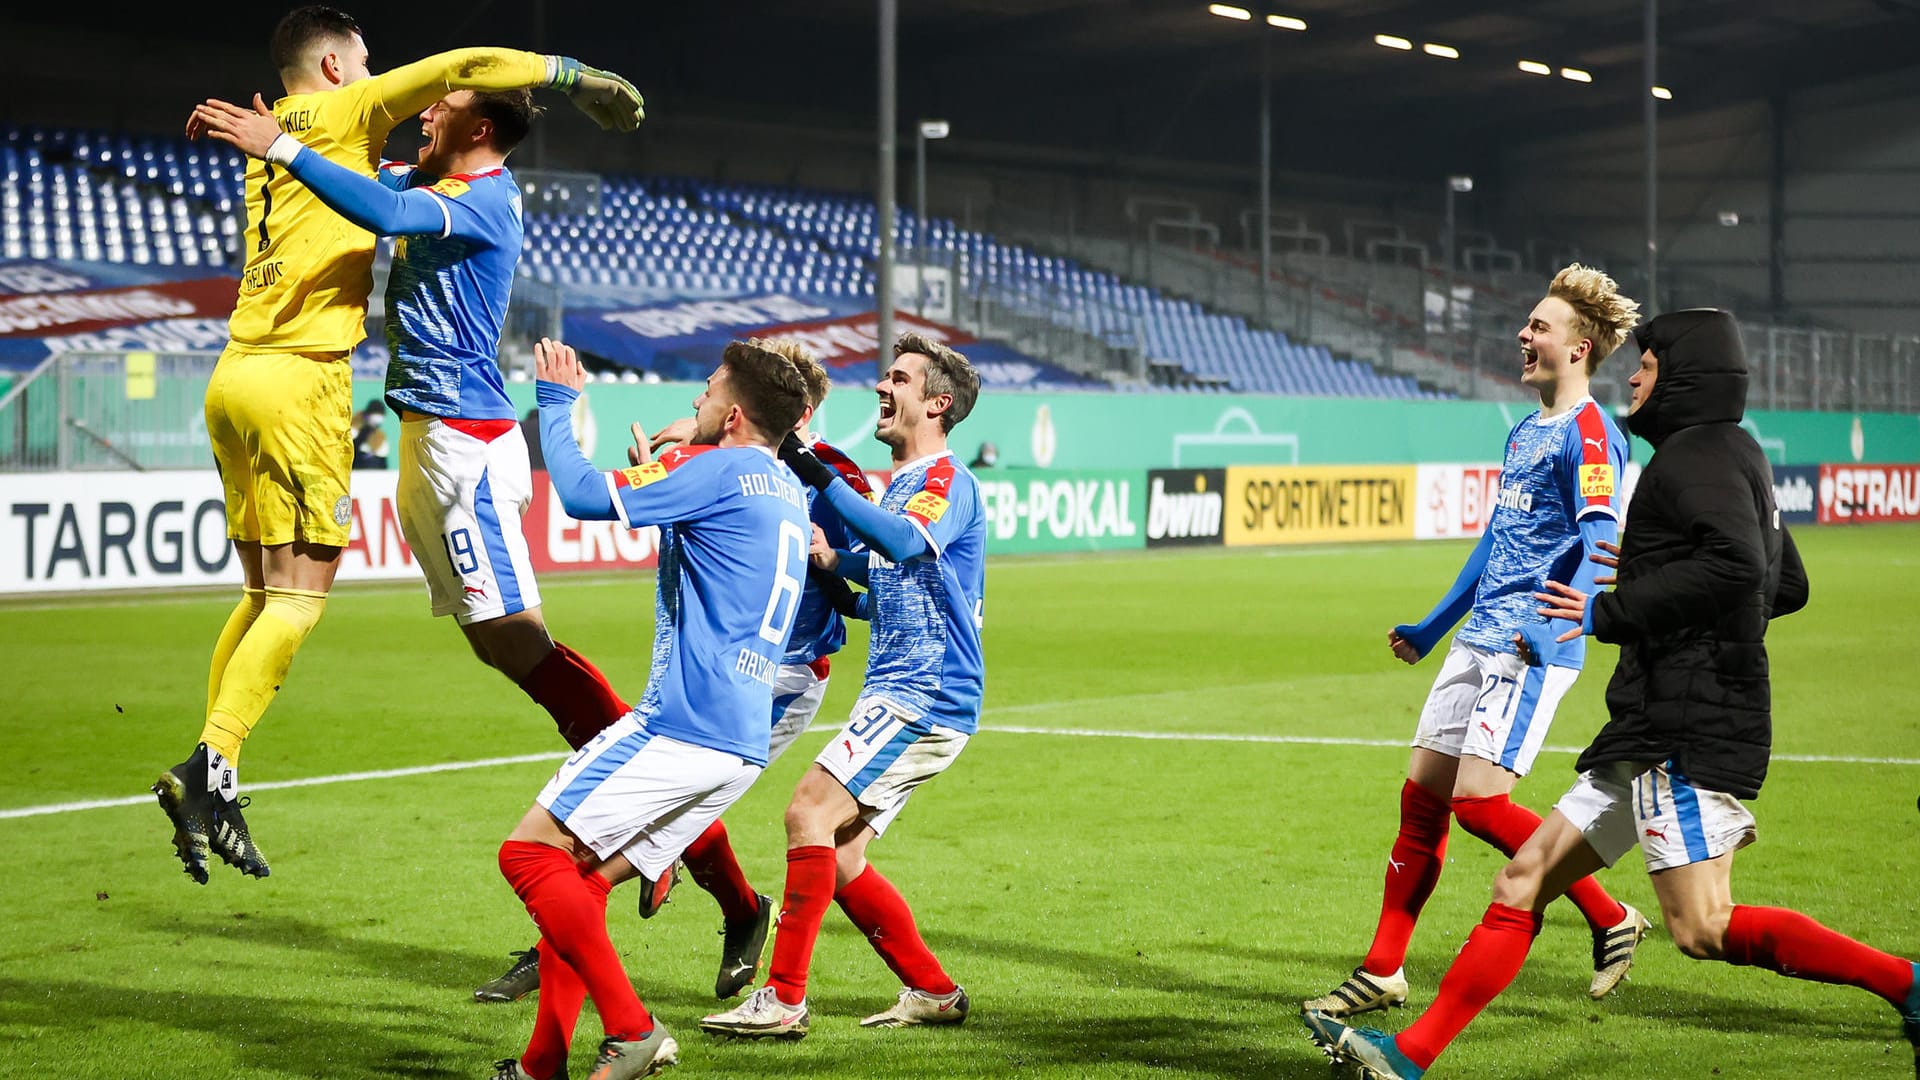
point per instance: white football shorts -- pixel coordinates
(1492, 706)
(645, 796)
(884, 753)
(798, 691)
(461, 495)
(1674, 822)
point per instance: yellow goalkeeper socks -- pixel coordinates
(252, 602)
(257, 667)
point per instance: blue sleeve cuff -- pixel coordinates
(582, 488)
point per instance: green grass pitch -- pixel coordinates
(1116, 906)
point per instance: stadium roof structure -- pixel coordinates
(1146, 78)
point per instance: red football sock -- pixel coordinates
(569, 905)
(1486, 964)
(579, 698)
(561, 995)
(710, 860)
(877, 908)
(809, 891)
(1799, 948)
(1412, 870)
(1498, 821)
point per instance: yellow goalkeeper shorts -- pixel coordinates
(280, 424)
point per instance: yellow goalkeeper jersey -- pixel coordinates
(309, 270)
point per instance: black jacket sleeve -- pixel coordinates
(1790, 595)
(1724, 566)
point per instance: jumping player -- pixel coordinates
(279, 402)
(925, 572)
(1495, 695)
(1705, 567)
(629, 802)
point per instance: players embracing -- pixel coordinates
(1494, 697)
(922, 558)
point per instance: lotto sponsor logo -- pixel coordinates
(452, 188)
(1851, 494)
(1185, 506)
(1596, 481)
(1319, 504)
(640, 476)
(927, 506)
(1070, 511)
(1796, 493)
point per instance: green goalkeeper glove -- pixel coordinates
(610, 100)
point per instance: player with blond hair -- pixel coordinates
(1493, 700)
(279, 402)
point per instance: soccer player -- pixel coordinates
(818, 633)
(627, 803)
(1493, 700)
(925, 571)
(279, 401)
(1705, 566)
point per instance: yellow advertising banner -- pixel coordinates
(1318, 504)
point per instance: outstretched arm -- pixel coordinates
(1453, 605)
(610, 100)
(892, 535)
(582, 488)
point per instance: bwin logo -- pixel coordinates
(1177, 516)
(1514, 498)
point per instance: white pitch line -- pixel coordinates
(1079, 733)
(311, 781)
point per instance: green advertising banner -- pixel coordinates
(1050, 510)
(1192, 431)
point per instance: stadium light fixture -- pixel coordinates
(1576, 75)
(933, 129)
(1444, 52)
(1535, 67)
(1286, 22)
(1663, 93)
(1729, 219)
(1392, 42)
(1459, 183)
(1228, 11)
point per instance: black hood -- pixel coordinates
(1702, 378)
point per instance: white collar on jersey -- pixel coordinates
(928, 460)
(1561, 419)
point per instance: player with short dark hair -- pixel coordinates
(1494, 697)
(629, 802)
(279, 402)
(1705, 567)
(924, 566)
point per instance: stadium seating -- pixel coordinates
(93, 196)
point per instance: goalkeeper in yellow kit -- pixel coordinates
(279, 402)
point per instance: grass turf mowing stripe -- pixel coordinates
(1082, 733)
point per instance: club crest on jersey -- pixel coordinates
(1596, 481)
(640, 476)
(927, 505)
(452, 188)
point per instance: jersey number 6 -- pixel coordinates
(786, 582)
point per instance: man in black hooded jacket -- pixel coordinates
(1705, 566)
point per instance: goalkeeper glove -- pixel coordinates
(805, 464)
(608, 99)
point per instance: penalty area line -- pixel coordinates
(1077, 733)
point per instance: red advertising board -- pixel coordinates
(1859, 494)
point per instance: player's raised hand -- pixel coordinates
(640, 452)
(1565, 602)
(555, 362)
(250, 131)
(1403, 650)
(1611, 559)
(608, 99)
(680, 433)
(821, 552)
